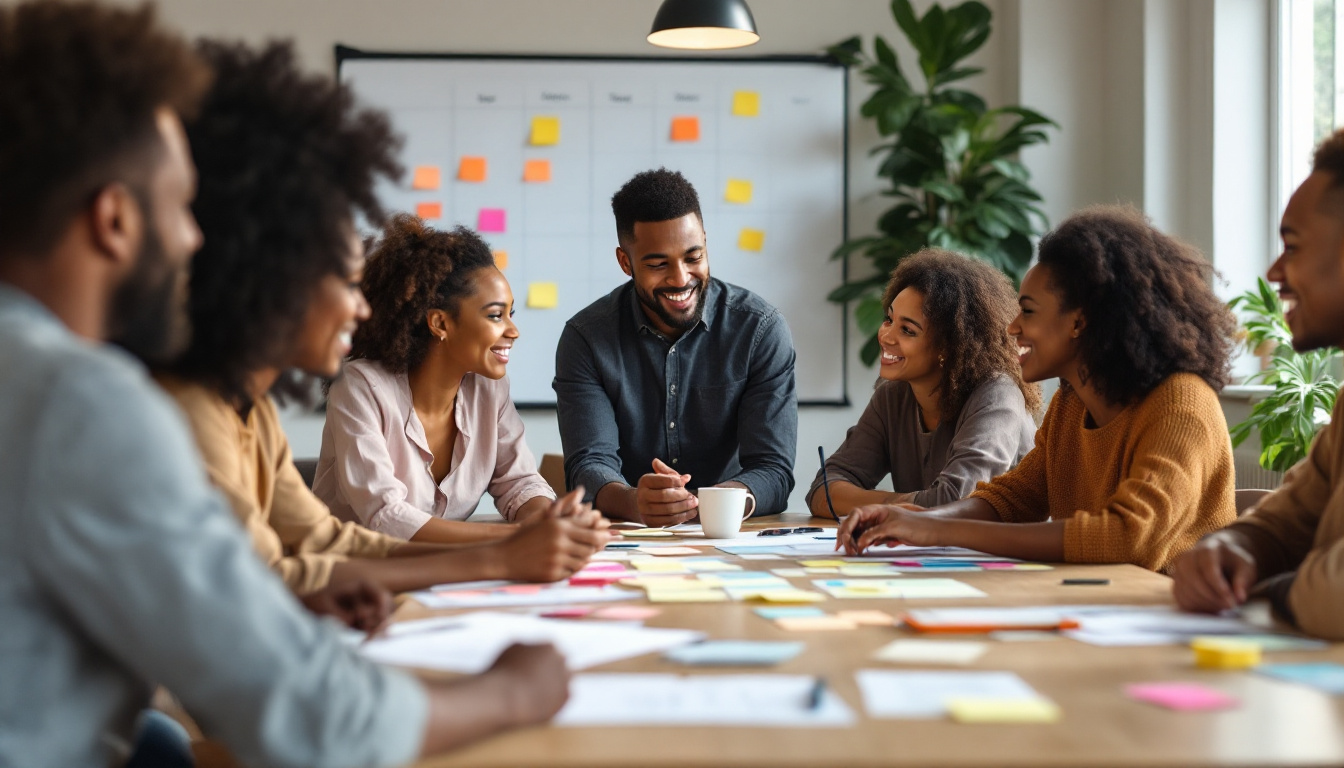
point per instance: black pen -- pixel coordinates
(814, 698)
(826, 483)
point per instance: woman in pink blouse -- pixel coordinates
(421, 425)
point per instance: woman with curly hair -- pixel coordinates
(1133, 463)
(952, 409)
(285, 161)
(421, 425)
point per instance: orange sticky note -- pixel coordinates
(471, 168)
(429, 210)
(502, 259)
(425, 177)
(537, 171)
(685, 129)
(751, 240)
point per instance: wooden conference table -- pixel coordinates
(1277, 723)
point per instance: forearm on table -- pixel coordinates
(973, 509)
(617, 501)
(402, 574)
(534, 506)
(468, 709)
(1042, 542)
(439, 531)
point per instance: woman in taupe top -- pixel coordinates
(951, 409)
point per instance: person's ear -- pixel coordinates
(623, 258)
(1079, 323)
(117, 224)
(440, 324)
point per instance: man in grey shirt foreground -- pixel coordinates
(120, 566)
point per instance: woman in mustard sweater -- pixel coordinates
(1133, 463)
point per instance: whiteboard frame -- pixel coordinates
(345, 53)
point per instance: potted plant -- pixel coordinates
(1289, 417)
(950, 163)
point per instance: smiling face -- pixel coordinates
(1310, 271)
(480, 338)
(1047, 335)
(670, 267)
(336, 309)
(908, 351)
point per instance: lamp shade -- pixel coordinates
(703, 24)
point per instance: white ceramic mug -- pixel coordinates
(721, 511)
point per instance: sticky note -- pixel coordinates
(471, 169)
(751, 240)
(647, 533)
(787, 596)
(821, 563)
(975, 709)
(738, 191)
(686, 129)
(429, 210)
(537, 171)
(868, 618)
(502, 259)
(626, 613)
(790, 612)
(490, 220)
(688, 596)
(758, 653)
(814, 623)
(930, 652)
(669, 551)
(789, 573)
(1183, 697)
(545, 131)
(746, 104)
(1225, 653)
(644, 566)
(425, 177)
(543, 296)
(1326, 676)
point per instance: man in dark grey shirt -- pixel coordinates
(674, 380)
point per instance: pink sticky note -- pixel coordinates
(521, 589)
(908, 563)
(626, 613)
(603, 565)
(567, 612)
(1186, 697)
(490, 220)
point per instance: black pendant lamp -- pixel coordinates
(703, 24)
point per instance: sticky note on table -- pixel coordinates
(868, 618)
(814, 623)
(669, 551)
(996, 710)
(425, 177)
(543, 296)
(537, 171)
(1326, 676)
(545, 131)
(930, 652)
(1183, 697)
(751, 239)
(738, 191)
(429, 210)
(821, 563)
(734, 653)
(647, 533)
(626, 613)
(688, 596)
(651, 565)
(686, 129)
(490, 220)
(502, 259)
(746, 103)
(471, 168)
(768, 595)
(790, 612)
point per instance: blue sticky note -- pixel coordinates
(1325, 676)
(790, 612)
(734, 653)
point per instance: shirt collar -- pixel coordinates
(710, 298)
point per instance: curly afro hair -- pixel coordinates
(79, 86)
(660, 195)
(969, 305)
(1329, 158)
(1146, 297)
(412, 270)
(285, 161)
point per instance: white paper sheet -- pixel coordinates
(553, 594)
(931, 651)
(701, 700)
(1154, 626)
(471, 642)
(900, 694)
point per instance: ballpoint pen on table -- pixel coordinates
(817, 694)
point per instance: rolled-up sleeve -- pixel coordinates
(515, 479)
(146, 559)
(588, 430)
(767, 419)
(365, 474)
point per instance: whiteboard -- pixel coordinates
(615, 118)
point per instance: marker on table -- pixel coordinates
(1085, 582)
(814, 698)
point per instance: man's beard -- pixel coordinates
(149, 309)
(677, 322)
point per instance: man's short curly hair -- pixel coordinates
(412, 270)
(79, 87)
(285, 160)
(968, 305)
(660, 195)
(1147, 301)
(1329, 159)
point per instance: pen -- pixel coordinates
(826, 483)
(1085, 582)
(817, 693)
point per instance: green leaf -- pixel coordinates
(945, 189)
(869, 314)
(847, 52)
(871, 349)
(857, 289)
(953, 75)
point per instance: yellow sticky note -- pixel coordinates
(868, 618)
(746, 103)
(545, 131)
(751, 240)
(669, 584)
(686, 129)
(471, 168)
(502, 259)
(647, 533)
(543, 296)
(537, 171)
(786, 596)
(429, 210)
(821, 563)
(688, 596)
(978, 709)
(647, 566)
(425, 177)
(814, 623)
(739, 191)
